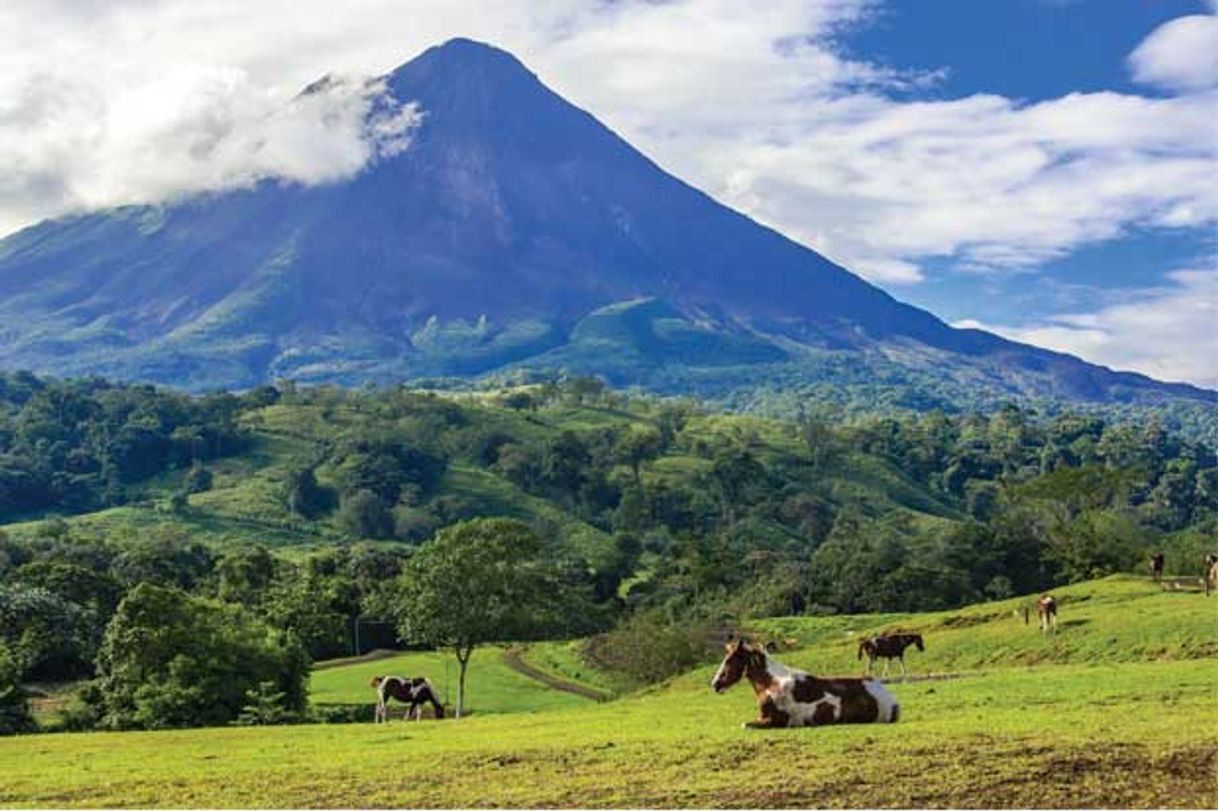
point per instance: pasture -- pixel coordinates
(492, 686)
(1116, 710)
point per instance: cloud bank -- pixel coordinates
(1167, 332)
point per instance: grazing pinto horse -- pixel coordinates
(1156, 566)
(1046, 609)
(414, 692)
(1211, 573)
(889, 647)
(791, 698)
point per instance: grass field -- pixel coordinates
(1116, 710)
(492, 686)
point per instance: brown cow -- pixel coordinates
(792, 698)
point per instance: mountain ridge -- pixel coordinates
(484, 247)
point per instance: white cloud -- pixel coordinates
(69, 143)
(1181, 54)
(1166, 332)
(754, 103)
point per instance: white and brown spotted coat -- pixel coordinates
(792, 698)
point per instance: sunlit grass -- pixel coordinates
(1116, 710)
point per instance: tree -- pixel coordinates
(303, 495)
(245, 575)
(14, 706)
(198, 479)
(172, 660)
(481, 581)
(365, 515)
(636, 447)
(48, 636)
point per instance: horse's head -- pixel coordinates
(738, 654)
(917, 640)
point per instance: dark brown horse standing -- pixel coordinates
(415, 692)
(792, 698)
(1156, 566)
(889, 647)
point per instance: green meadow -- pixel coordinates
(492, 686)
(1116, 709)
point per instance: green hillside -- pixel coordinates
(1116, 712)
(494, 687)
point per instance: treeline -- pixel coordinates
(79, 445)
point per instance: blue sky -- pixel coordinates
(1036, 50)
(1043, 168)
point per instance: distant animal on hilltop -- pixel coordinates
(415, 692)
(792, 698)
(1156, 566)
(889, 647)
(1046, 609)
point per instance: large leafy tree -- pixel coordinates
(14, 707)
(172, 660)
(483, 581)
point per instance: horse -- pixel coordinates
(1046, 609)
(889, 647)
(792, 698)
(1156, 566)
(1211, 573)
(414, 692)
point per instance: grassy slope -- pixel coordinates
(492, 686)
(245, 505)
(1118, 713)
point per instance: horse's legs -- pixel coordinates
(379, 715)
(901, 662)
(887, 664)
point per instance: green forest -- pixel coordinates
(147, 534)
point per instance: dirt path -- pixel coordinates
(370, 656)
(513, 659)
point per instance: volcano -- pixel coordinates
(515, 235)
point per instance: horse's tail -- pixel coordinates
(375, 683)
(863, 646)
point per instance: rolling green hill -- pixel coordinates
(1113, 711)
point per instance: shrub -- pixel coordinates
(648, 648)
(14, 704)
(198, 479)
(265, 707)
(172, 660)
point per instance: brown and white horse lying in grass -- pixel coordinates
(414, 692)
(792, 698)
(889, 647)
